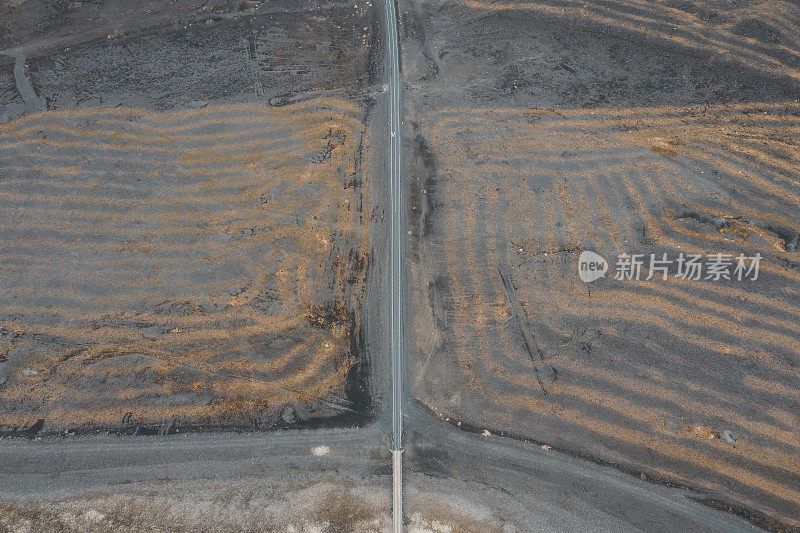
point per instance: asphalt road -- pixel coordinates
(396, 267)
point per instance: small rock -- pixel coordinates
(486, 433)
(319, 451)
(93, 516)
(29, 372)
(727, 436)
(288, 415)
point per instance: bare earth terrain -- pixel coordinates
(543, 129)
(185, 240)
(201, 265)
(194, 265)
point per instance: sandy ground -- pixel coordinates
(538, 130)
(187, 216)
(194, 239)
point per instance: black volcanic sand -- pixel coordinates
(185, 245)
(538, 130)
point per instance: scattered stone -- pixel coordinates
(702, 432)
(319, 451)
(288, 415)
(727, 436)
(93, 516)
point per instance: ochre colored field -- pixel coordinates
(200, 267)
(654, 376)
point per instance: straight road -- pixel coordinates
(396, 267)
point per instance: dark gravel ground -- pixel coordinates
(504, 340)
(140, 101)
(537, 130)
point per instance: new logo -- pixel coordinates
(591, 266)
